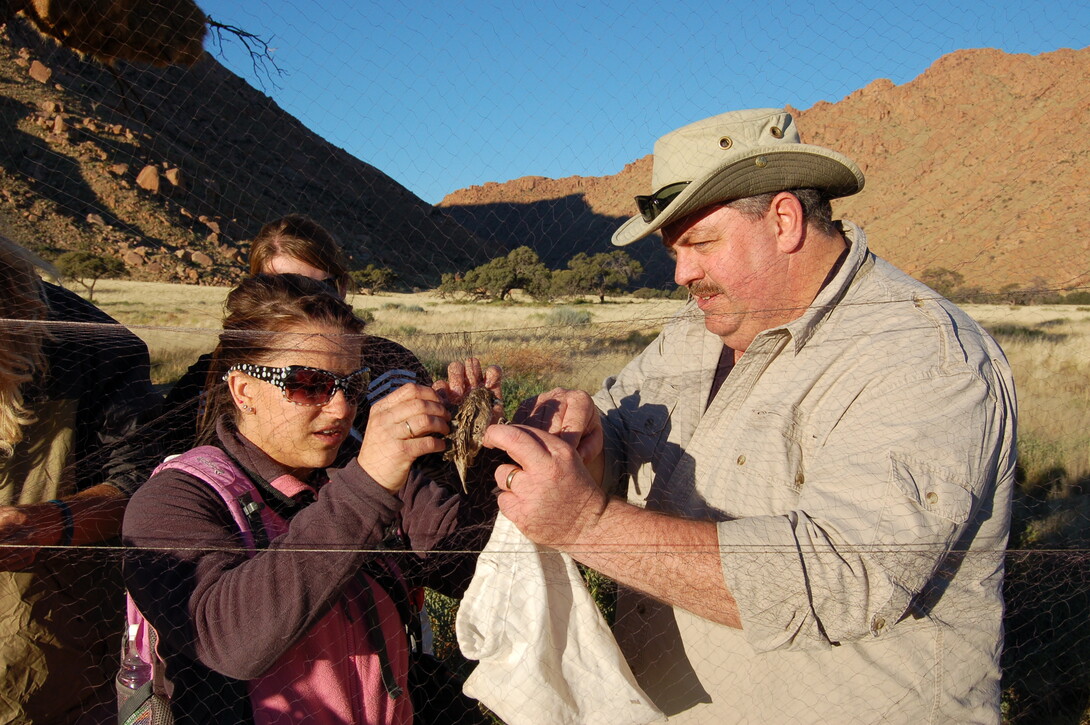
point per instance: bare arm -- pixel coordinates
(672, 559)
(24, 529)
(554, 500)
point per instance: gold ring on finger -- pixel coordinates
(411, 434)
(511, 477)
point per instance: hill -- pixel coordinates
(977, 165)
(173, 169)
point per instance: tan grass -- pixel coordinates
(1052, 376)
(179, 322)
(1052, 370)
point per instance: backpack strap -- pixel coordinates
(213, 466)
(217, 469)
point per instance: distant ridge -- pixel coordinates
(218, 159)
(979, 165)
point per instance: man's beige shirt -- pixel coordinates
(860, 463)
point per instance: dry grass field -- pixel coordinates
(574, 345)
(1049, 348)
(579, 345)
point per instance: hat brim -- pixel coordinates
(759, 171)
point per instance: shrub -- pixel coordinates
(372, 279)
(567, 317)
(600, 274)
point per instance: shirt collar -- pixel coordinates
(803, 328)
(266, 472)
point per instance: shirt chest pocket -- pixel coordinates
(765, 465)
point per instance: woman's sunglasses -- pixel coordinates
(304, 385)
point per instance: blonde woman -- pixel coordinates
(71, 397)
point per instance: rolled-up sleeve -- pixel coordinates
(906, 471)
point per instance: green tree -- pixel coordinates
(946, 282)
(372, 279)
(601, 274)
(87, 268)
(521, 269)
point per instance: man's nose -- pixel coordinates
(685, 270)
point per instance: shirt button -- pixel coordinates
(800, 478)
(742, 460)
(879, 625)
(932, 497)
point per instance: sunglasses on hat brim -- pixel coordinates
(652, 205)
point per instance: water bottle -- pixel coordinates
(134, 671)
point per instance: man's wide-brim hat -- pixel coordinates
(735, 155)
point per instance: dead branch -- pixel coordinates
(264, 65)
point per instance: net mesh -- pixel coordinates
(169, 171)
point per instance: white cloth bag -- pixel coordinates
(546, 655)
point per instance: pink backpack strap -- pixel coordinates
(215, 468)
(239, 494)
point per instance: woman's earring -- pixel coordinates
(245, 407)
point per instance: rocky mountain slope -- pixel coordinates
(174, 169)
(979, 165)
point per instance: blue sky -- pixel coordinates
(442, 95)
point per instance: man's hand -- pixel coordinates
(549, 494)
(570, 415)
(23, 530)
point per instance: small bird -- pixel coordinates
(467, 427)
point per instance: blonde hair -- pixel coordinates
(21, 339)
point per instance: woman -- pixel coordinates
(295, 244)
(71, 398)
(288, 632)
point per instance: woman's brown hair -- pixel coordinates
(258, 313)
(300, 238)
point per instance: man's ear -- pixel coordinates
(785, 212)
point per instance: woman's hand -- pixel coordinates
(464, 377)
(404, 425)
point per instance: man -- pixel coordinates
(74, 389)
(819, 455)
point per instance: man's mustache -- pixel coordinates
(704, 288)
